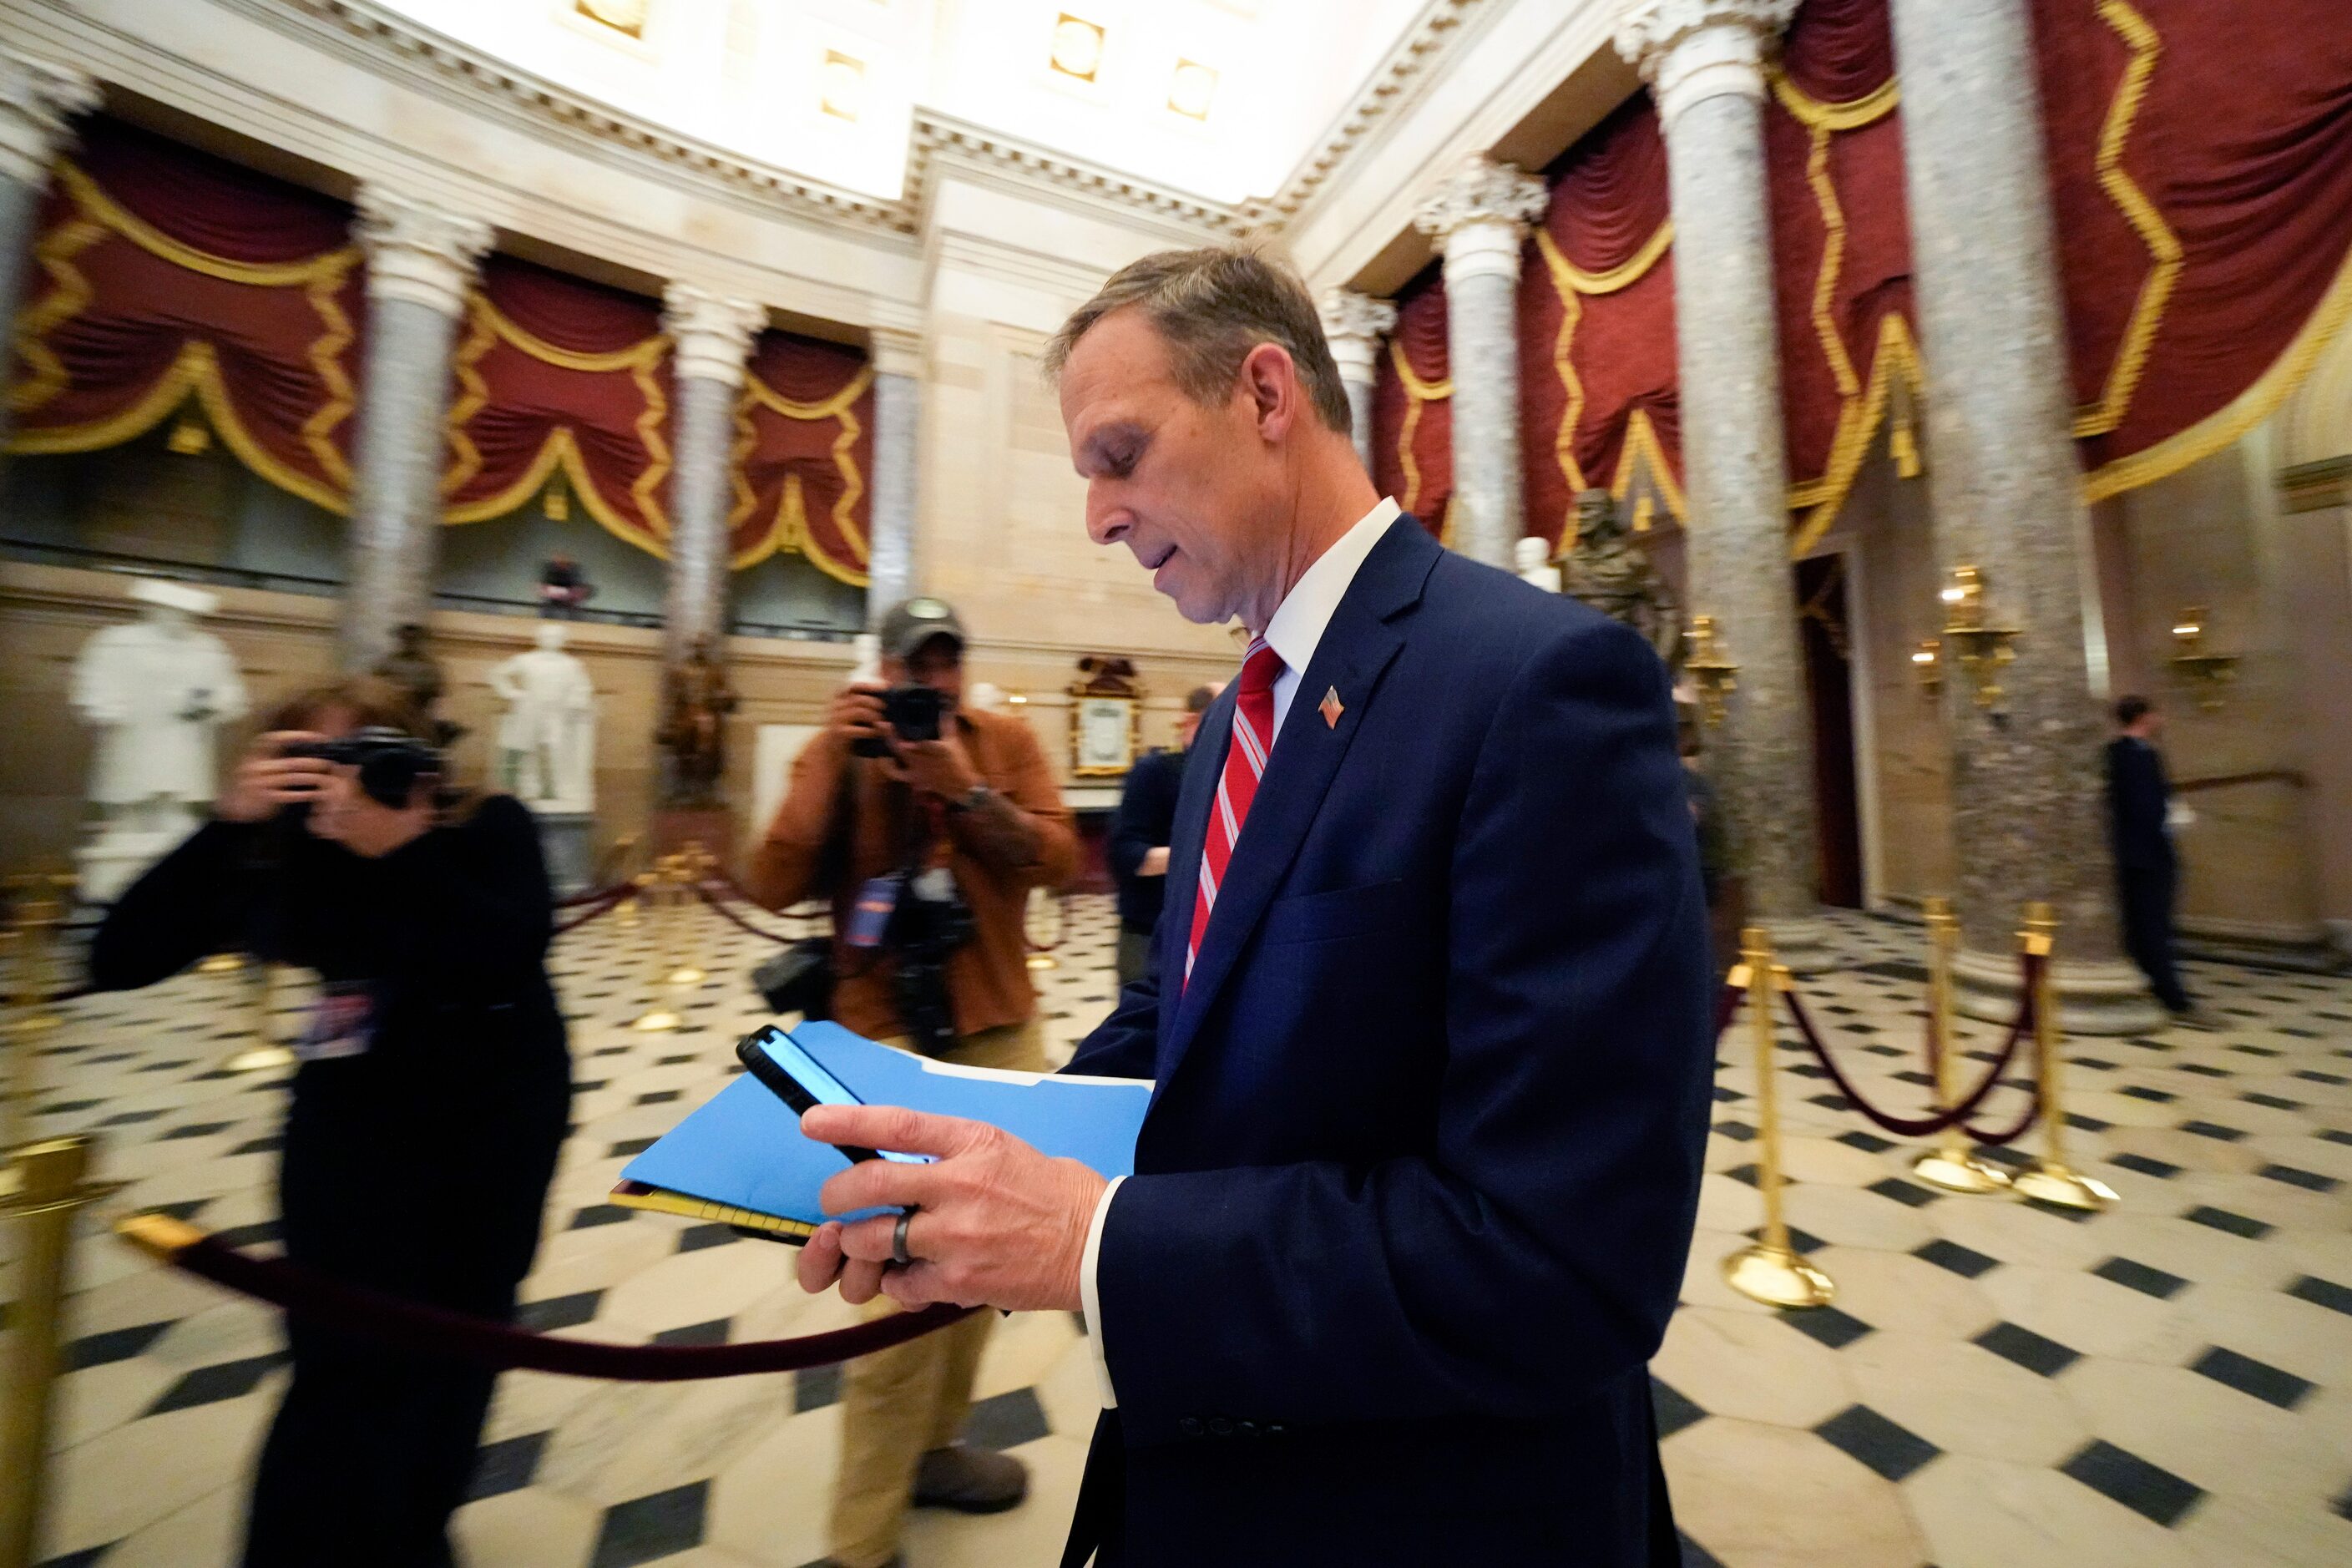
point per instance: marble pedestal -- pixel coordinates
(2101, 997)
(118, 856)
(567, 841)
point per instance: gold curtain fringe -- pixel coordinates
(2163, 245)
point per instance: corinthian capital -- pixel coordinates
(1354, 324)
(712, 334)
(1478, 214)
(1691, 50)
(37, 103)
(417, 251)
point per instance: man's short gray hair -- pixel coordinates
(1211, 307)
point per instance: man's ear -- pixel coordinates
(1271, 380)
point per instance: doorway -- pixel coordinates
(1825, 630)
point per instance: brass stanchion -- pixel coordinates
(1951, 1165)
(1770, 1271)
(686, 869)
(2052, 1180)
(1041, 959)
(45, 1189)
(653, 887)
(32, 927)
(265, 1054)
(222, 963)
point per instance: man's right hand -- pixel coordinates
(265, 779)
(1154, 862)
(857, 713)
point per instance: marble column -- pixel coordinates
(2027, 786)
(1357, 327)
(1479, 217)
(1704, 61)
(710, 336)
(420, 261)
(37, 101)
(898, 426)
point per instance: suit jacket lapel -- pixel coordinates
(1356, 649)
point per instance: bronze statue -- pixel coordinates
(413, 670)
(1614, 576)
(693, 726)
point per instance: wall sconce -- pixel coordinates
(1928, 664)
(1982, 649)
(2194, 666)
(1714, 675)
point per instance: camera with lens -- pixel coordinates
(931, 922)
(390, 760)
(912, 712)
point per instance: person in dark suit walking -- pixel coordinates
(1428, 1019)
(2148, 872)
(1138, 838)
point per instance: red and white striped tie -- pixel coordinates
(1244, 765)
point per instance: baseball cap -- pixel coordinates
(913, 622)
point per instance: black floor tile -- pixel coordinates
(1751, 1174)
(2139, 1277)
(1862, 1433)
(1868, 1143)
(2235, 1223)
(815, 1387)
(2126, 1478)
(646, 1528)
(2323, 1293)
(2310, 1180)
(630, 1146)
(713, 1332)
(113, 1345)
(1675, 1412)
(1007, 1421)
(596, 1215)
(558, 1311)
(2163, 1169)
(506, 1467)
(2213, 1129)
(2027, 1349)
(1833, 1328)
(2247, 1376)
(1735, 1130)
(242, 1236)
(210, 1385)
(1960, 1260)
(1910, 1195)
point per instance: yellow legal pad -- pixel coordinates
(661, 1200)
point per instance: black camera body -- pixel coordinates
(390, 760)
(931, 922)
(913, 713)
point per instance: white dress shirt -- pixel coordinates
(1295, 633)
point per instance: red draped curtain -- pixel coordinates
(1598, 403)
(159, 274)
(804, 446)
(1413, 408)
(558, 375)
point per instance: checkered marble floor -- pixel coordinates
(1996, 1385)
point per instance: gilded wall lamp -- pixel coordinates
(1981, 648)
(2196, 666)
(1716, 676)
(1927, 665)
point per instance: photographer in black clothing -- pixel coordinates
(428, 1110)
(1139, 831)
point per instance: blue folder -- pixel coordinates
(739, 1159)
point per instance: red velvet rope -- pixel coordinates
(436, 1331)
(1919, 1127)
(594, 894)
(702, 892)
(1726, 1003)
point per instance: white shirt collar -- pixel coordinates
(1299, 624)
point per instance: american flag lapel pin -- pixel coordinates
(1331, 708)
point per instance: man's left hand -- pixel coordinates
(999, 1224)
(940, 767)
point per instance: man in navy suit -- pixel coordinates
(1428, 1016)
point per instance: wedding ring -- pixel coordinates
(898, 1240)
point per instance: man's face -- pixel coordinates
(937, 664)
(1194, 492)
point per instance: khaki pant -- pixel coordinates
(899, 1404)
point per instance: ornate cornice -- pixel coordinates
(37, 103)
(1354, 324)
(418, 251)
(938, 136)
(1691, 50)
(709, 333)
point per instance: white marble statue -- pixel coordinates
(155, 692)
(1531, 558)
(547, 742)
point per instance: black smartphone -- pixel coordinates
(792, 1076)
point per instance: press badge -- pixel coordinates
(869, 917)
(343, 1023)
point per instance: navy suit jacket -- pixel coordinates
(1413, 1199)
